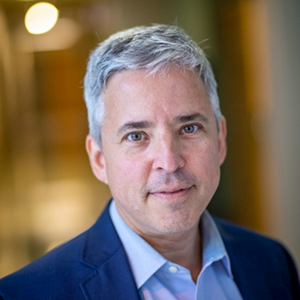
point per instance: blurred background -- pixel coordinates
(47, 191)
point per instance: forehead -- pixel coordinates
(136, 93)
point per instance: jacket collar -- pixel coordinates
(112, 278)
(103, 251)
(246, 270)
(241, 272)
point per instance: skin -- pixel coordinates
(161, 155)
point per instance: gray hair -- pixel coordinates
(151, 48)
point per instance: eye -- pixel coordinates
(135, 136)
(190, 128)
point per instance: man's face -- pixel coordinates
(161, 150)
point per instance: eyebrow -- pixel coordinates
(192, 117)
(134, 125)
(147, 124)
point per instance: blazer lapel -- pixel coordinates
(112, 278)
(245, 273)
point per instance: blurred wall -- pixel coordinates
(283, 147)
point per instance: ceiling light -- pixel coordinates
(41, 17)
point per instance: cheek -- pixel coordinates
(125, 174)
(205, 162)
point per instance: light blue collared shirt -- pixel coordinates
(159, 279)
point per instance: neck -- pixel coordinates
(184, 249)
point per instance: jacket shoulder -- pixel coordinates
(251, 244)
(64, 272)
(260, 262)
(54, 271)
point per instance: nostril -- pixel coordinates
(167, 154)
(169, 162)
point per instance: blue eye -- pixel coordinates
(135, 136)
(189, 128)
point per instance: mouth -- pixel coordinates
(171, 193)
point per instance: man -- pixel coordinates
(157, 138)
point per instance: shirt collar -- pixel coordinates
(212, 244)
(145, 260)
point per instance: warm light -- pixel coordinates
(41, 17)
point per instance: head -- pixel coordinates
(154, 48)
(157, 137)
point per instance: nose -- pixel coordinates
(167, 153)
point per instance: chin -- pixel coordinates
(176, 225)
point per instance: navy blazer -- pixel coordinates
(94, 266)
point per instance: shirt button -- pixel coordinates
(173, 269)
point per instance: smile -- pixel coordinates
(171, 193)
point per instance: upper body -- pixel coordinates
(94, 266)
(158, 139)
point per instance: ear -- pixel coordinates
(97, 159)
(222, 140)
